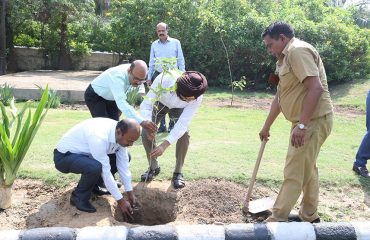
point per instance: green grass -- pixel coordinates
(224, 143)
(351, 94)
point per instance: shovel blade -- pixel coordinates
(260, 205)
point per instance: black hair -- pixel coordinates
(132, 66)
(275, 29)
(123, 126)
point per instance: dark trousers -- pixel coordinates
(100, 107)
(182, 144)
(90, 170)
(162, 126)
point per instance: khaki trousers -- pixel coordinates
(182, 143)
(301, 173)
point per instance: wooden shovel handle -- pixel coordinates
(256, 166)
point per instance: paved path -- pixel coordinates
(71, 85)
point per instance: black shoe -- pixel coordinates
(100, 191)
(362, 171)
(178, 180)
(149, 175)
(84, 206)
(317, 220)
(102, 185)
(295, 218)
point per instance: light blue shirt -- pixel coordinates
(112, 85)
(171, 48)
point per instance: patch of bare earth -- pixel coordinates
(239, 102)
(208, 201)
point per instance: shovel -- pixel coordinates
(259, 205)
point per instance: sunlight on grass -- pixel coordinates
(351, 94)
(224, 143)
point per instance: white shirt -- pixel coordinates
(96, 138)
(170, 100)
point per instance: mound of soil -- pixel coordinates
(209, 201)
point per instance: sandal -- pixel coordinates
(178, 180)
(149, 175)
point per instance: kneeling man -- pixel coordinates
(84, 150)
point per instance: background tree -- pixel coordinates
(3, 38)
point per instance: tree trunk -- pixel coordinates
(2, 38)
(5, 196)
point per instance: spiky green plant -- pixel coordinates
(133, 96)
(16, 136)
(6, 94)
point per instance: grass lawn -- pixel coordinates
(224, 143)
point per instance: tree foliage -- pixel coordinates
(128, 27)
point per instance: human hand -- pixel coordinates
(149, 82)
(132, 198)
(156, 152)
(126, 209)
(151, 136)
(149, 126)
(297, 138)
(264, 134)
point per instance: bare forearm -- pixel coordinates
(274, 112)
(311, 100)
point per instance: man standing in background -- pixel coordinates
(164, 47)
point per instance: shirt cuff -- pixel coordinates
(171, 139)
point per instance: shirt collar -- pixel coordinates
(168, 40)
(285, 50)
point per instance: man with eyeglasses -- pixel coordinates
(106, 97)
(182, 103)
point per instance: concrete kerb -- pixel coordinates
(247, 231)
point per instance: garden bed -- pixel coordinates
(208, 201)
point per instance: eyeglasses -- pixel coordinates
(186, 99)
(136, 79)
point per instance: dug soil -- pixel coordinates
(209, 201)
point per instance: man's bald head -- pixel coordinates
(162, 24)
(127, 132)
(138, 71)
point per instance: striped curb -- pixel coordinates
(239, 231)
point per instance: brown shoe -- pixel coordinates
(362, 171)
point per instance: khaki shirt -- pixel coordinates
(298, 61)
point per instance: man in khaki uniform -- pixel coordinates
(303, 97)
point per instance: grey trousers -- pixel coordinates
(182, 143)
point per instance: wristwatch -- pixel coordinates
(302, 126)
